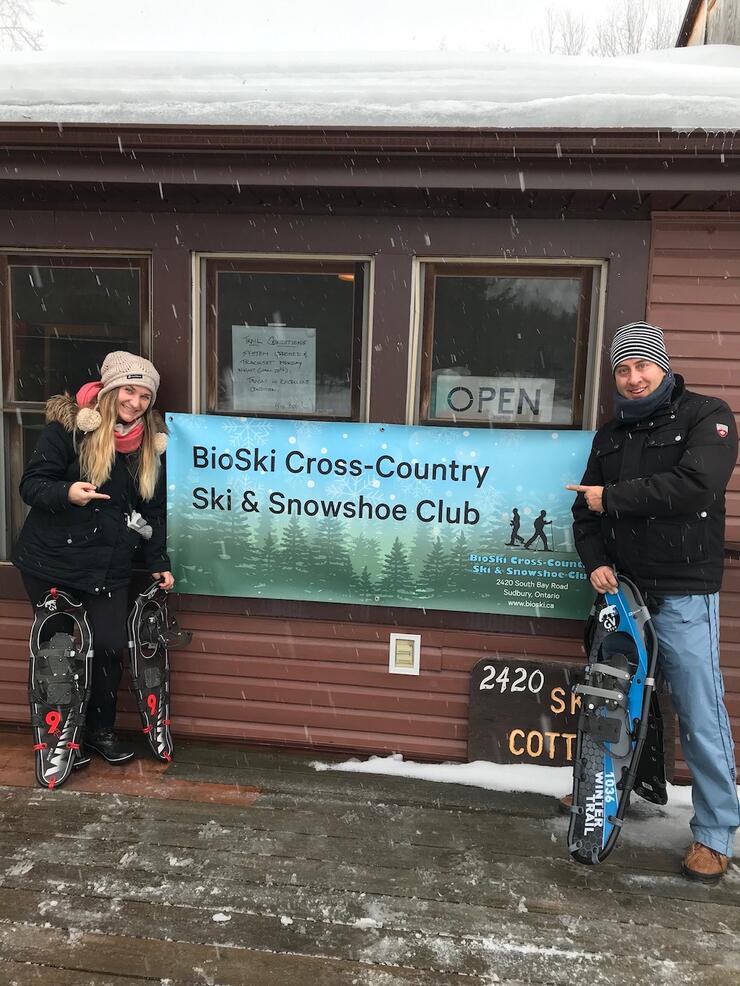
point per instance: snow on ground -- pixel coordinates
(682, 88)
(517, 777)
(663, 826)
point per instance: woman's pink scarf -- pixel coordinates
(127, 441)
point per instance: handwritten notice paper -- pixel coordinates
(274, 368)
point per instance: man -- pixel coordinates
(651, 505)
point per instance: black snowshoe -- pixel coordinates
(59, 679)
(620, 732)
(151, 632)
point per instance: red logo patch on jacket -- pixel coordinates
(722, 430)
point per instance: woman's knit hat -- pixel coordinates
(639, 340)
(118, 369)
(121, 368)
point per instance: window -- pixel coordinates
(505, 345)
(284, 338)
(64, 315)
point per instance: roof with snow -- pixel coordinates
(680, 89)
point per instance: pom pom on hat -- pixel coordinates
(88, 419)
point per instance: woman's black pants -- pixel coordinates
(107, 614)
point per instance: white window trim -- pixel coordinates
(198, 353)
(598, 310)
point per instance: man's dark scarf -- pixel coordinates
(637, 410)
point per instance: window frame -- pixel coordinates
(11, 447)
(589, 317)
(208, 268)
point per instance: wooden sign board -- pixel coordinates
(525, 712)
(522, 712)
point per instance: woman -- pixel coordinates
(96, 489)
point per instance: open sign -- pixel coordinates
(510, 399)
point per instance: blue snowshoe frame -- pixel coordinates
(613, 721)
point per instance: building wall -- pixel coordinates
(694, 294)
(723, 23)
(316, 674)
(712, 22)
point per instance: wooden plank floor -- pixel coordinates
(238, 867)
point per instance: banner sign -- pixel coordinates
(389, 515)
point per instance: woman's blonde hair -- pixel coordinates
(98, 449)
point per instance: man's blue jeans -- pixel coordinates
(688, 644)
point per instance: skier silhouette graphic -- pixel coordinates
(539, 531)
(515, 524)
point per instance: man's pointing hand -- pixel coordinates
(594, 496)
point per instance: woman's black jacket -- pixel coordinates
(664, 496)
(87, 548)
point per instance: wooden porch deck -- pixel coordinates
(236, 867)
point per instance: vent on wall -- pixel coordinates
(405, 653)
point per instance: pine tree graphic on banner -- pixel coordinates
(294, 553)
(269, 557)
(420, 547)
(396, 580)
(363, 587)
(435, 575)
(245, 550)
(496, 529)
(459, 564)
(366, 550)
(447, 535)
(330, 559)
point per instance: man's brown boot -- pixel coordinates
(565, 803)
(704, 864)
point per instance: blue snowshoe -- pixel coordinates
(619, 747)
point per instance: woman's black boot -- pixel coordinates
(107, 745)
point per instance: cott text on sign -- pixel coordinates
(509, 399)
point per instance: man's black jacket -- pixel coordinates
(87, 548)
(664, 496)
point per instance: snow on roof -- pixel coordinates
(682, 89)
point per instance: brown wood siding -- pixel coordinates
(694, 294)
(722, 22)
(307, 682)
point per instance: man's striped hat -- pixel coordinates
(638, 340)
